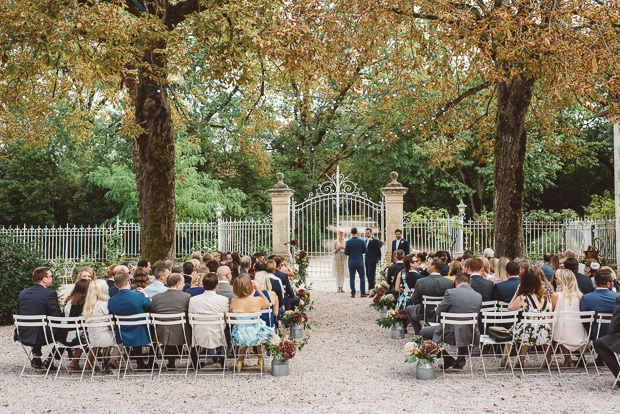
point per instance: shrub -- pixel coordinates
(17, 261)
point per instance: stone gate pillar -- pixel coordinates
(393, 193)
(281, 212)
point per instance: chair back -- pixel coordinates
(502, 306)
(32, 321)
(430, 301)
(602, 318)
(243, 318)
(268, 311)
(128, 324)
(538, 318)
(493, 318)
(489, 305)
(61, 326)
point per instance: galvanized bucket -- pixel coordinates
(297, 331)
(279, 367)
(398, 332)
(425, 371)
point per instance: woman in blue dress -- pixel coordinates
(262, 278)
(254, 334)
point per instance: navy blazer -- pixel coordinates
(505, 291)
(373, 250)
(36, 300)
(411, 279)
(128, 302)
(355, 248)
(402, 245)
(548, 271)
(584, 283)
(485, 287)
(612, 339)
(286, 283)
(600, 301)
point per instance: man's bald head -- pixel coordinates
(223, 273)
(121, 268)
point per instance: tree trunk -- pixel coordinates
(154, 157)
(513, 101)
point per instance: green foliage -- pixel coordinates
(601, 206)
(17, 261)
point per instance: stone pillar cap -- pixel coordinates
(280, 187)
(394, 186)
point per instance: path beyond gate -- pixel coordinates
(336, 203)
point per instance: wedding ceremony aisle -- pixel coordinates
(350, 365)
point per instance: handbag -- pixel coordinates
(499, 334)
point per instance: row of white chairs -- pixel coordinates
(57, 331)
(509, 319)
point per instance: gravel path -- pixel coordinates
(350, 366)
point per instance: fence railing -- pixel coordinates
(108, 243)
(455, 235)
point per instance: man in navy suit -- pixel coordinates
(37, 300)
(373, 256)
(400, 243)
(355, 248)
(583, 282)
(131, 302)
(609, 344)
(602, 300)
(506, 290)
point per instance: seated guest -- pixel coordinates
(110, 274)
(479, 283)
(159, 284)
(140, 277)
(87, 273)
(486, 268)
(209, 337)
(245, 336)
(454, 268)
(546, 285)
(117, 269)
(263, 280)
(95, 305)
(393, 272)
(145, 264)
(128, 302)
(188, 272)
(432, 285)
(197, 285)
(445, 257)
(276, 287)
(413, 273)
(500, 274)
(505, 291)
(546, 267)
(583, 281)
(529, 297)
(609, 344)
(246, 264)
(196, 255)
(224, 288)
(602, 300)
(213, 265)
(38, 299)
(291, 300)
(461, 299)
(74, 306)
(173, 300)
(206, 257)
(571, 336)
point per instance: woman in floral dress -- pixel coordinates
(530, 297)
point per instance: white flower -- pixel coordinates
(409, 348)
(275, 340)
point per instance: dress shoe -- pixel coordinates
(49, 365)
(365, 295)
(352, 296)
(448, 362)
(460, 363)
(37, 363)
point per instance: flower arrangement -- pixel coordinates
(377, 297)
(281, 348)
(293, 242)
(393, 317)
(420, 351)
(290, 317)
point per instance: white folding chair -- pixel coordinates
(27, 322)
(68, 335)
(213, 322)
(428, 302)
(502, 306)
(457, 320)
(602, 318)
(494, 319)
(537, 319)
(160, 322)
(578, 318)
(269, 311)
(240, 320)
(99, 355)
(489, 306)
(129, 323)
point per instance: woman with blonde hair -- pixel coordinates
(455, 267)
(264, 281)
(571, 336)
(87, 273)
(486, 267)
(545, 283)
(140, 278)
(493, 266)
(500, 274)
(245, 302)
(96, 304)
(196, 287)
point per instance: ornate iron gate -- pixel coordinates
(336, 203)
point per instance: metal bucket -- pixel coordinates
(425, 371)
(279, 367)
(383, 312)
(297, 331)
(398, 332)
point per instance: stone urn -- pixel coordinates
(279, 367)
(424, 370)
(398, 332)
(297, 331)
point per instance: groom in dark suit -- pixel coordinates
(399, 243)
(373, 256)
(355, 248)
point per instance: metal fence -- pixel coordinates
(454, 235)
(108, 243)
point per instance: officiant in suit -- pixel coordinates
(373, 256)
(355, 248)
(399, 243)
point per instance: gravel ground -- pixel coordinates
(350, 365)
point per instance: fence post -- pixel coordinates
(393, 193)
(617, 182)
(281, 216)
(459, 237)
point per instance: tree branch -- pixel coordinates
(469, 92)
(179, 11)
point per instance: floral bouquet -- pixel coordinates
(388, 300)
(379, 292)
(420, 351)
(290, 317)
(281, 348)
(293, 242)
(392, 318)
